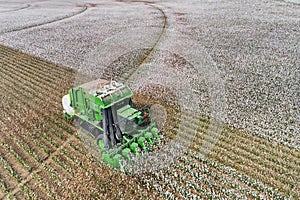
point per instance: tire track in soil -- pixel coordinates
(17, 9)
(84, 9)
(125, 73)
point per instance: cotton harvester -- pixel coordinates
(104, 110)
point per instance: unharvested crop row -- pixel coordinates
(163, 185)
(278, 152)
(188, 188)
(204, 173)
(226, 183)
(239, 163)
(251, 160)
(42, 23)
(17, 8)
(203, 186)
(259, 160)
(253, 183)
(235, 161)
(244, 165)
(283, 170)
(247, 151)
(175, 182)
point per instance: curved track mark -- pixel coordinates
(160, 35)
(44, 23)
(151, 50)
(17, 9)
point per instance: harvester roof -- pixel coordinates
(108, 91)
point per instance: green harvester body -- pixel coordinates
(104, 110)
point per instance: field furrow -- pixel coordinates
(8, 182)
(46, 76)
(245, 149)
(199, 172)
(235, 156)
(52, 118)
(276, 153)
(36, 64)
(32, 92)
(32, 191)
(34, 81)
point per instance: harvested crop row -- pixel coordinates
(54, 138)
(24, 143)
(35, 80)
(51, 70)
(32, 102)
(8, 173)
(45, 72)
(34, 67)
(20, 155)
(26, 99)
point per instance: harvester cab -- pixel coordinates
(104, 110)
